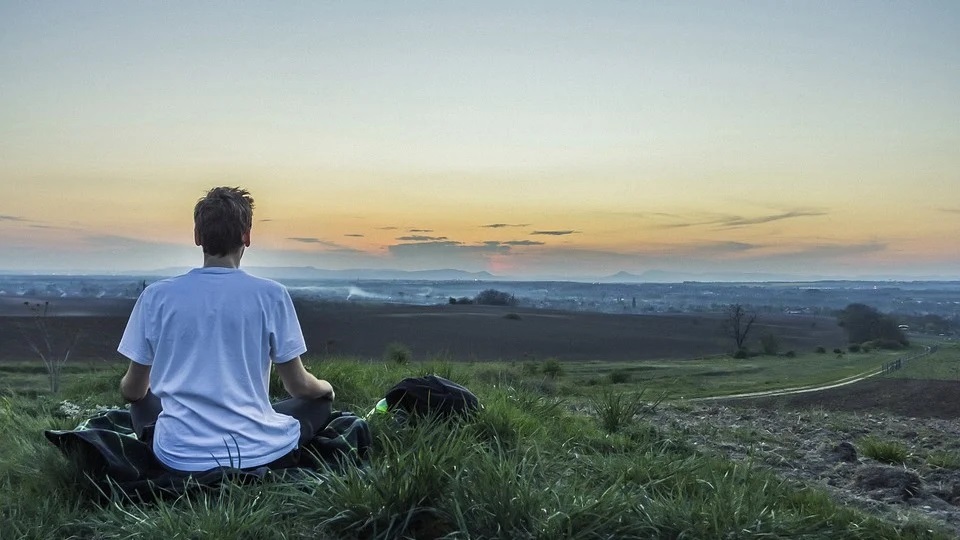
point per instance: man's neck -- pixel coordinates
(230, 260)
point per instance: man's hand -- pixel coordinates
(135, 382)
(300, 383)
(327, 390)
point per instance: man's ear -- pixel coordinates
(245, 237)
(196, 237)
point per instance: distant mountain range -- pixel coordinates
(662, 276)
(650, 276)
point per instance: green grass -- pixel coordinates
(944, 459)
(725, 375)
(885, 451)
(524, 467)
(616, 410)
(941, 365)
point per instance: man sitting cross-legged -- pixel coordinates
(201, 347)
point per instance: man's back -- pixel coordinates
(210, 336)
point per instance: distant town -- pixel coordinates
(927, 306)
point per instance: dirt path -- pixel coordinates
(814, 387)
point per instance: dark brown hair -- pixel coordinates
(221, 217)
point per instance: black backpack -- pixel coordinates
(431, 395)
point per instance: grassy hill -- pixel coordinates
(548, 457)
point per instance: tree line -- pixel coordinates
(865, 327)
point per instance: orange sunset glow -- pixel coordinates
(535, 140)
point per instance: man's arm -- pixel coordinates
(300, 383)
(135, 382)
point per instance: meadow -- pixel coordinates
(560, 450)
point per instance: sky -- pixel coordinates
(526, 139)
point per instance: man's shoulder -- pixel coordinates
(194, 281)
(159, 285)
(263, 283)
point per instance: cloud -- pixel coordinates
(523, 243)
(80, 252)
(420, 238)
(446, 247)
(717, 248)
(702, 257)
(950, 210)
(502, 225)
(388, 228)
(554, 233)
(325, 243)
(265, 220)
(510, 243)
(34, 224)
(354, 235)
(737, 221)
(307, 240)
(420, 230)
(832, 251)
(732, 221)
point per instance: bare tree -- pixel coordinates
(51, 346)
(738, 323)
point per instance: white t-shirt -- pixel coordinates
(210, 336)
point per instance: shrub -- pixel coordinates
(854, 347)
(49, 340)
(790, 354)
(821, 350)
(892, 452)
(617, 410)
(512, 316)
(741, 354)
(944, 459)
(619, 376)
(493, 297)
(398, 353)
(552, 368)
(837, 351)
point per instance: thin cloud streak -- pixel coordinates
(700, 257)
(306, 239)
(325, 243)
(554, 233)
(743, 222)
(734, 221)
(523, 243)
(502, 225)
(831, 251)
(510, 243)
(445, 248)
(421, 238)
